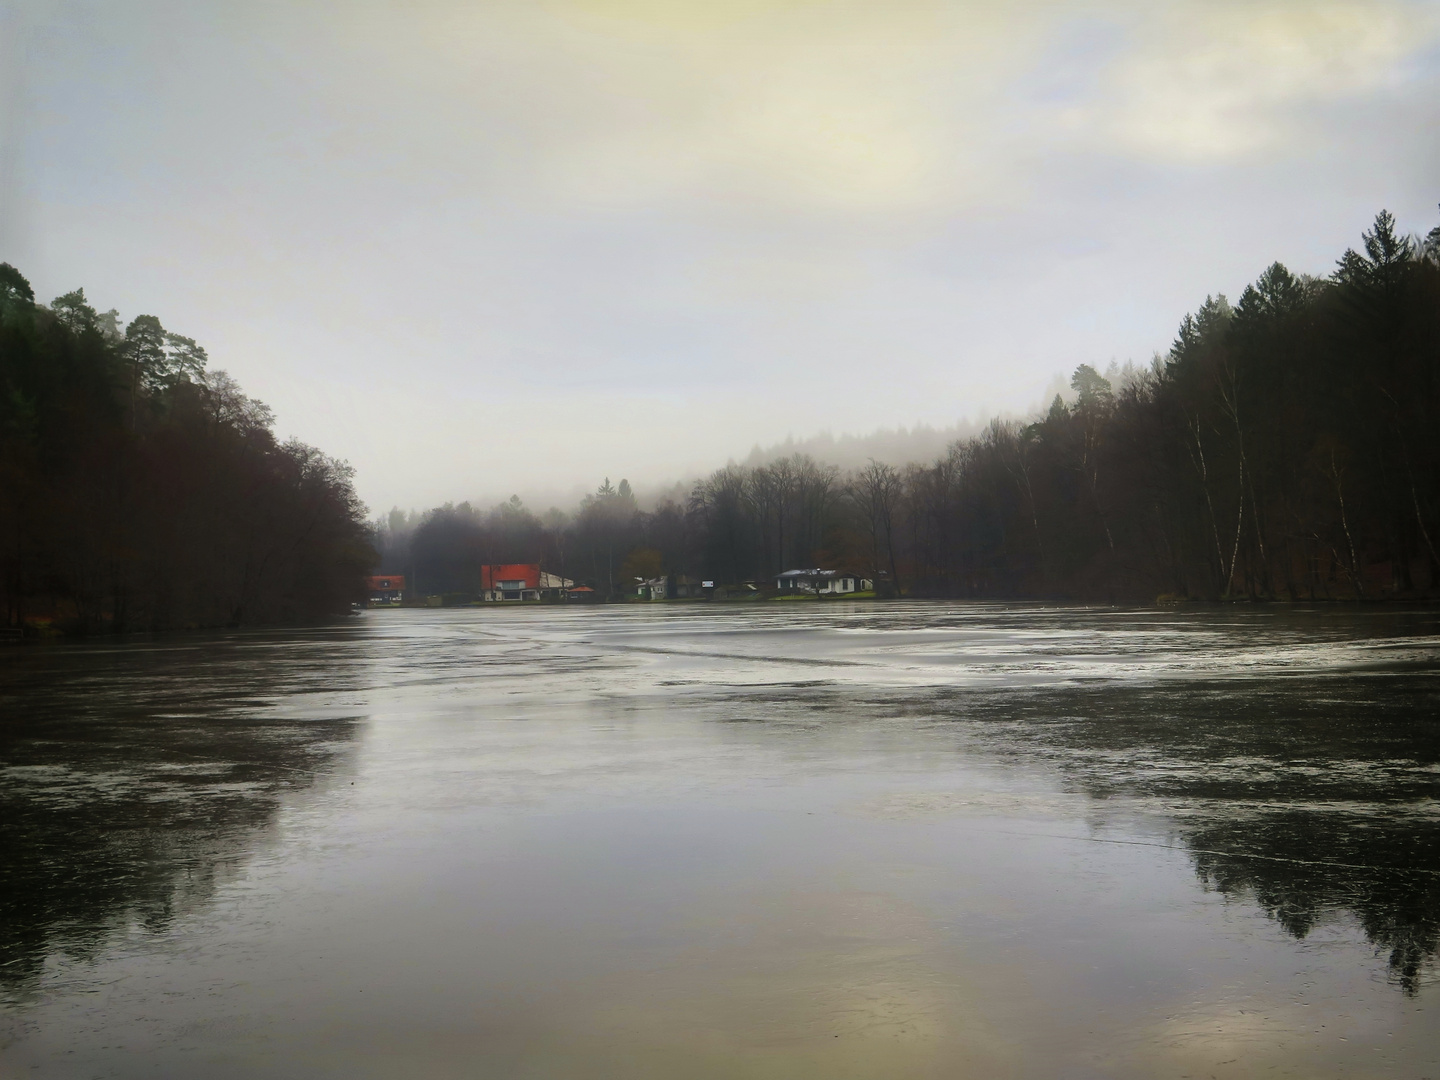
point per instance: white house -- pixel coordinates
(822, 582)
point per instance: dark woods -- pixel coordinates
(140, 491)
(1288, 446)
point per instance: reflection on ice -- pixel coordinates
(1302, 866)
(838, 840)
(122, 816)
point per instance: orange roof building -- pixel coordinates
(386, 590)
(521, 581)
(510, 576)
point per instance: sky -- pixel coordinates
(502, 247)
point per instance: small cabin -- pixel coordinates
(654, 588)
(385, 590)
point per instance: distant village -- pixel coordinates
(522, 583)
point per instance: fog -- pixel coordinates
(846, 451)
(483, 249)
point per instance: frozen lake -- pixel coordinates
(781, 840)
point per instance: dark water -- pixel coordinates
(784, 841)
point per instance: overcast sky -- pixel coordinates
(492, 247)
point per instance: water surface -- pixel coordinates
(788, 840)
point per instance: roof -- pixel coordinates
(385, 581)
(528, 574)
(819, 575)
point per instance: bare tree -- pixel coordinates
(878, 489)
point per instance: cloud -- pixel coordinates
(839, 105)
(1212, 82)
(761, 108)
(910, 107)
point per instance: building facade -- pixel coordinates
(822, 582)
(520, 582)
(385, 590)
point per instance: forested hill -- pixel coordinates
(140, 491)
(1288, 446)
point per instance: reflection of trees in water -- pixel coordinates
(131, 788)
(139, 835)
(1300, 865)
(1311, 795)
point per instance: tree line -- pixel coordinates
(1286, 447)
(140, 490)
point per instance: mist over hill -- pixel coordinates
(893, 446)
(848, 451)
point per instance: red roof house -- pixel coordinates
(521, 581)
(386, 590)
(510, 576)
